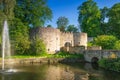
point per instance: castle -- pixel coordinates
(54, 39)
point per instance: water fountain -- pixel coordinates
(5, 47)
(5, 43)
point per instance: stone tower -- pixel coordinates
(54, 39)
(80, 39)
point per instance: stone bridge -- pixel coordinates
(95, 55)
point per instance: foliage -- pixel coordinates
(117, 45)
(19, 37)
(57, 55)
(105, 41)
(62, 23)
(114, 20)
(33, 12)
(7, 7)
(37, 47)
(72, 28)
(2, 18)
(6, 12)
(67, 55)
(49, 25)
(104, 23)
(110, 64)
(89, 18)
(89, 44)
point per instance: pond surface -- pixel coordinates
(70, 71)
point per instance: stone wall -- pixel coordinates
(99, 54)
(77, 50)
(40, 60)
(54, 39)
(94, 48)
(51, 38)
(66, 37)
(80, 39)
(83, 39)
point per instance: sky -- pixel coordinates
(68, 9)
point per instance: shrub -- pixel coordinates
(106, 41)
(110, 64)
(117, 45)
(19, 37)
(37, 47)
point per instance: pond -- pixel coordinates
(71, 71)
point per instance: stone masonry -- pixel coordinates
(54, 39)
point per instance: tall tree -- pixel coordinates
(6, 12)
(114, 20)
(62, 23)
(72, 28)
(7, 7)
(19, 37)
(104, 20)
(89, 18)
(33, 12)
(49, 25)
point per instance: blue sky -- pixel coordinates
(68, 8)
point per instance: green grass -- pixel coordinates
(67, 55)
(57, 55)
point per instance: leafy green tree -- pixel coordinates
(37, 47)
(117, 45)
(105, 41)
(62, 23)
(104, 24)
(49, 25)
(89, 18)
(6, 12)
(72, 28)
(19, 37)
(7, 7)
(114, 20)
(33, 12)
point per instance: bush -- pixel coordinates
(110, 64)
(37, 47)
(106, 41)
(117, 45)
(68, 55)
(19, 37)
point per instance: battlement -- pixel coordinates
(55, 39)
(48, 29)
(66, 33)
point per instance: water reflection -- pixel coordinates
(59, 72)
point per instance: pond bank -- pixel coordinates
(43, 60)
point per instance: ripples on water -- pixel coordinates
(59, 72)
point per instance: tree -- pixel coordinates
(7, 7)
(114, 20)
(104, 24)
(6, 12)
(105, 41)
(117, 45)
(49, 25)
(72, 28)
(89, 18)
(37, 46)
(62, 23)
(33, 12)
(19, 37)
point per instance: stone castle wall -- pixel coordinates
(66, 37)
(54, 39)
(50, 36)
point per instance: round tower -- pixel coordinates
(51, 38)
